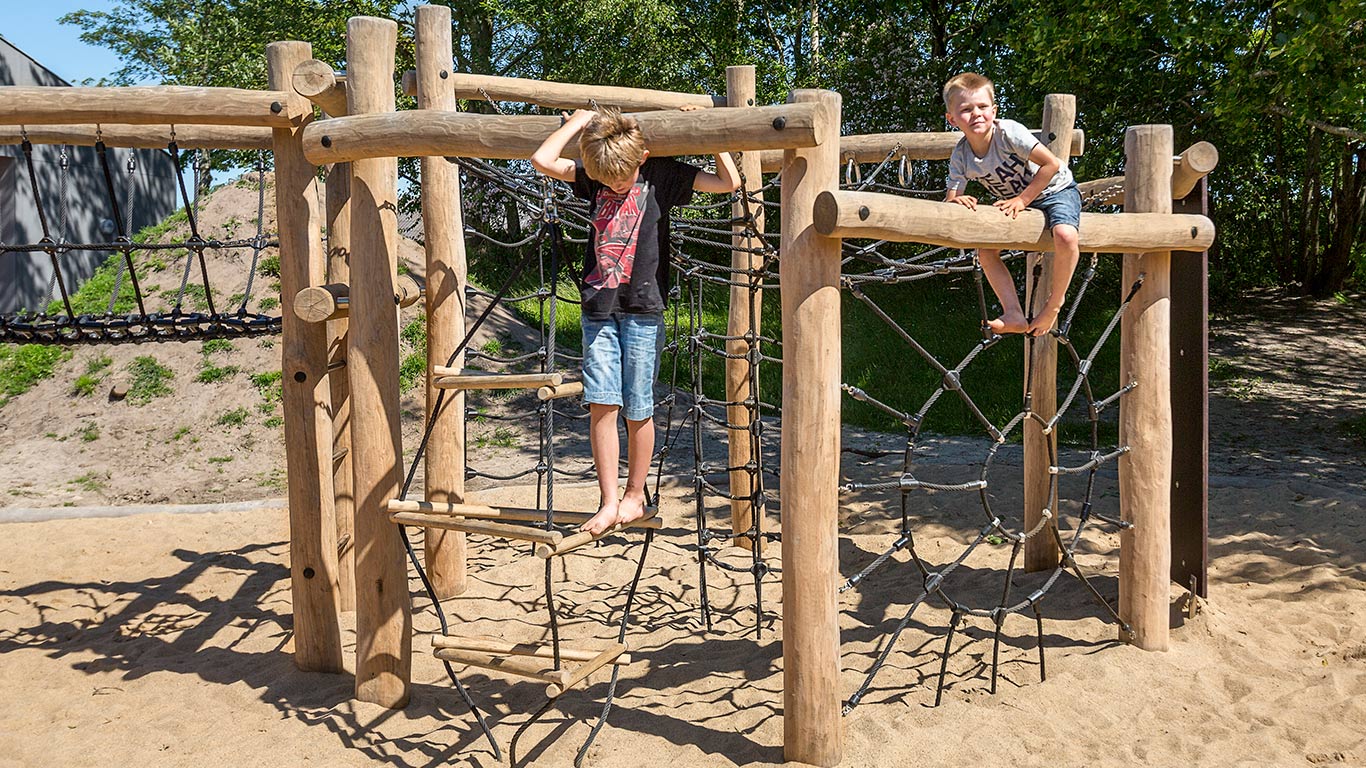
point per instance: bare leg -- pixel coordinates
(1065, 258)
(640, 447)
(602, 420)
(1012, 319)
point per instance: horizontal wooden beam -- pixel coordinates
(496, 645)
(496, 530)
(564, 95)
(426, 133)
(148, 105)
(531, 668)
(485, 512)
(320, 303)
(316, 81)
(1197, 162)
(879, 216)
(143, 136)
(875, 147)
(454, 378)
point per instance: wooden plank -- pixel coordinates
(464, 85)
(446, 378)
(423, 133)
(143, 137)
(316, 81)
(383, 610)
(338, 206)
(809, 275)
(583, 538)
(499, 646)
(875, 147)
(1145, 414)
(581, 673)
(879, 216)
(499, 530)
(321, 303)
(152, 105)
(306, 400)
(521, 667)
(1190, 408)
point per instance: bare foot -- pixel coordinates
(632, 507)
(1010, 322)
(605, 518)
(1043, 322)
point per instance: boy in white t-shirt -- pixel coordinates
(1011, 162)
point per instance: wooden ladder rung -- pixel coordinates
(581, 673)
(483, 511)
(558, 391)
(499, 530)
(522, 666)
(575, 540)
(498, 646)
(453, 378)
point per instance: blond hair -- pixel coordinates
(611, 145)
(968, 81)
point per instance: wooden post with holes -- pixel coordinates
(444, 235)
(383, 612)
(810, 271)
(1041, 368)
(1145, 416)
(746, 306)
(338, 196)
(306, 399)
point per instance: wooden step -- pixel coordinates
(581, 673)
(500, 530)
(452, 378)
(497, 646)
(575, 540)
(540, 670)
(518, 514)
(557, 392)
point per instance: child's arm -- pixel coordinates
(1049, 164)
(726, 179)
(546, 158)
(958, 183)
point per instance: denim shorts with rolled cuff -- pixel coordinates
(1061, 207)
(620, 362)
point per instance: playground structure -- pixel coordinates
(343, 446)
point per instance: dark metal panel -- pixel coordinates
(1190, 406)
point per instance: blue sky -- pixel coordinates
(34, 29)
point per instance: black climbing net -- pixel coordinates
(132, 312)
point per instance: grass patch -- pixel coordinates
(502, 437)
(179, 433)
(234, 418)
(211, 374)
(412, 369)
(216, 345)
(86, 383)
(269, 266)
(195, 297)
(90, 432)
(153, 233)
(268, 384)
(274, 422)
(23, 366)
(90, 482)
(269, 303)
(219, 459)
(149, 380)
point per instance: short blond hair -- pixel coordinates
(611, 145)
(968, 81)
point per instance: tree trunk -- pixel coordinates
(203, 172)
(1349, 197)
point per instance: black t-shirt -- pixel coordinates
(626, 267)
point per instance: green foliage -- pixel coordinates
(90, 482)
(149, 379)
(90, 432)
(216, 345)
(268, 303)
(211, 374)
(412, 370)
(22, 366)
(268, 384)
(269, 266)
(85, 384)
(179, 433)
(234, 418)
(274, 422)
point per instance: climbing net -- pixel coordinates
(133, 312)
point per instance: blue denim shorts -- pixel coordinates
(620, 362)
(1061, 207)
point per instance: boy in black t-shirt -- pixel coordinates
(623, 284)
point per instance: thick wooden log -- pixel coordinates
(499, 646)
(582, 672)
(744, 323)
(464, 85)
(142, 137)
(320, 303)
(1041, 369)
(582, 538)
(444, 239)
(316, 81)
(1198, 161)
(1145, 413)
(454, 378)
(306, 399)
(875, 147)
(496, 530)
(152, 105)
(878, 216)
(338, 198)
(560, 391)
(810, 273)
(520, 666)
(422, 133)
(383, 611)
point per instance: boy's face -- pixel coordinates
(972, 112)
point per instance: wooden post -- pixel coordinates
(1190, 404)
(744, 320)
(339, 271)
(810, 271)
(1040, 450)
(444, 235)
(1145, 415)
(383, 612)
(306, 399)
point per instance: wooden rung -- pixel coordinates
(575, 540)
(557, 391)
(321, 303)
(484, 512)
(450, 378)
(580, 674)
(496, 646)
(521, 666)
(499, 530)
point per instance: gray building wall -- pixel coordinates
(26, 279)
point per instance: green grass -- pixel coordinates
(194, 298)
(269, 303)
(274, 422)
(269, 266)
(211, 374)
(90, 432)
(501, 437)
(412, 369)
(216, 345)
(85, 384)
(153, 233)
(91, 482)
(23, 366)
(219, 459)
(234, 418)
(179, 433)
(268, 385)
(149, 380)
